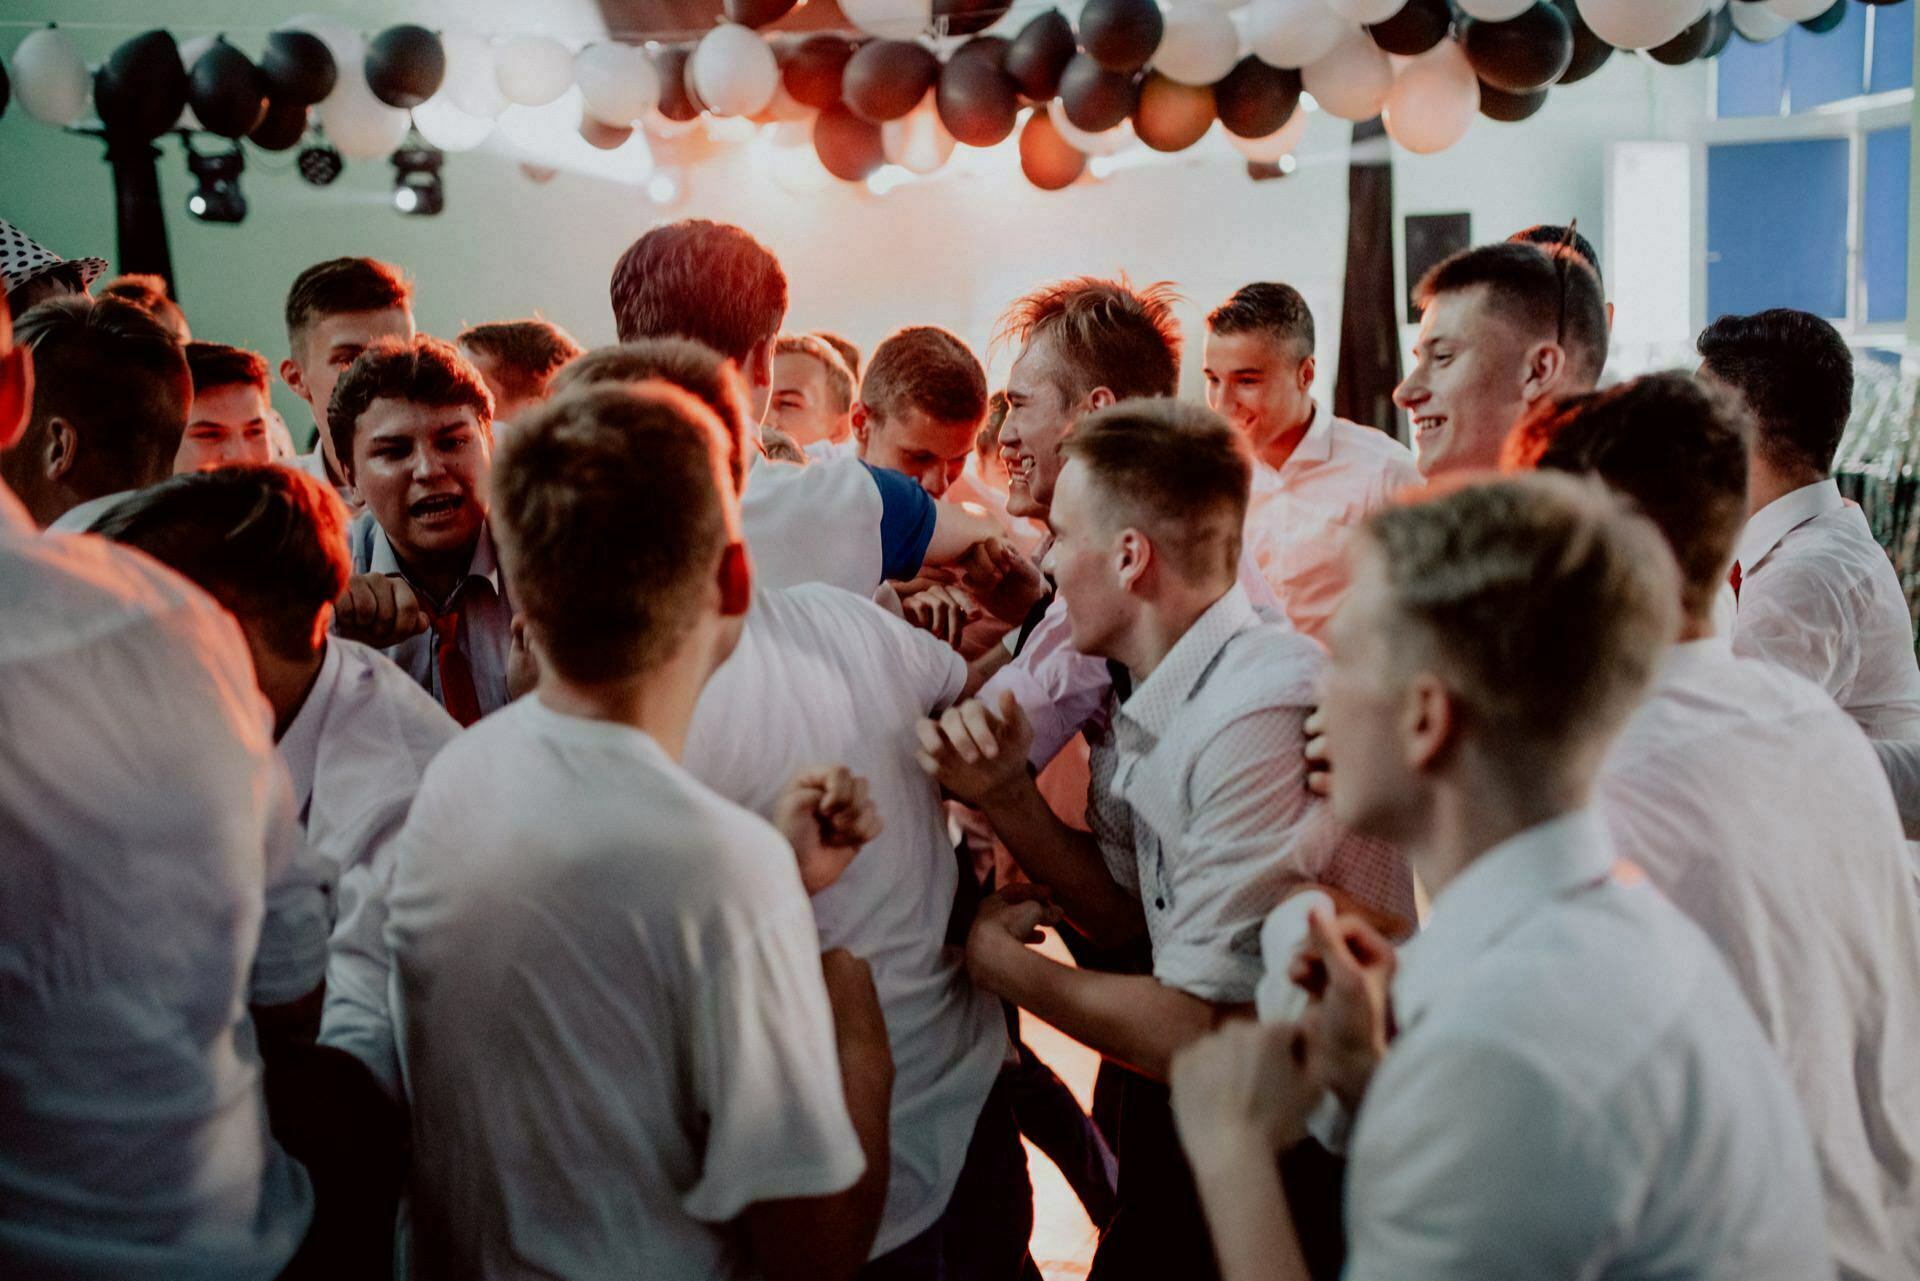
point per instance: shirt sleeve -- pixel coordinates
(357, 1016)
(1801, 623)
(292, 959)
(907, 517)
(1061, 690)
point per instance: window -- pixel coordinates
(1884, 237)
(1777, 227)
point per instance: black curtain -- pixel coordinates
(140, 220)
(1369, 328)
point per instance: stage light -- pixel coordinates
(416, 181)
(319, 164)
(217, 196)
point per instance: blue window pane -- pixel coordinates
(1884, 248)
(1892, 48)
(1752, 78)
(1827, 68)
(1777, 227)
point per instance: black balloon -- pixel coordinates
(284, 124)
(1722, 32)
(756, 13)
(1094, 98)
(848, 146)
(141, 89)
(991, 48)
(1590, 52)
(6, 89)
(676, 103)
(966, 17)
(298, 67)
(1688, 45)
(977, 101)
(812, 74)
(1039, 54)
(1048, 159)
(886, 79)
(1421, 26)
(1255, 99)
(1825, 22)
(1522, 54)
(1121, 34)
(1497, 104)
(405, 65)
(227, 92)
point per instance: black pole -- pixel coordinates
(141, 220)
(1369, 320)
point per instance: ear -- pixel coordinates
(1306, 374)
(1100, 398)
(1546, 370)
(1133, 555)
(16, 395)
(63, 448)
(295, 380)
(1429, 722)
(862, 419)
(736, 581)
(758, 371)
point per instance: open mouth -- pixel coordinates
(1428, 425)
(1019, 468)
(437, 508)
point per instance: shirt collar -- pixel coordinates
(300, 745)
(1158, 698)
(1684, 658)
(1317, 445)
(1766, 527)
(484, 564)
(1497, 892)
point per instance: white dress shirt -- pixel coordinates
(136, 783)
(1200, 804)
(314, 464)
(1758, 807)
(1818, 596)
(481, 600)
(356, 751)
(1577, 1089)
(1298, 514)
(616, 1033)
(821, 677)
(79, 518)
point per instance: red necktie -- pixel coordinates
(1733, 578)
(457, 694)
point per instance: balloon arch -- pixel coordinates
(916, 78)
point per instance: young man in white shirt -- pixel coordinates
(812, 397)
(1198, 831)
(1314, 475)
(661, 1093)
(1756, 805)
(108, 411)
(1558, 1078)
(229, 421)
(335, 310)
(131, 900)
(413, 424)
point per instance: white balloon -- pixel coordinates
(1639, 24)
(50, 78)
(1107, 142)
(472, 83)
(358, 124)
(1758, 23)
(917, 141)
(533, 70)
(1432, 104)
(1366, 10)
(1280, 142)
(1293, 33)
(1198, 46)
(617, 82)
(1351, 82)
(1799, 10)
(891, 19)
(733, 71)
(442, 123)
(1495, 10)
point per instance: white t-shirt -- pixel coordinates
(616, 1037)
(821, 677)
(137, 780)
(835, 521)
(1757, 806)
(828, 450)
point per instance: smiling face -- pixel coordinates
(1039, 417)
(1472, 379)
(328, 346)
(801, 404)
(423, 472)
(933, 453)
(1260, 383)
(227, 426)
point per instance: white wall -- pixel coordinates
(951, 250)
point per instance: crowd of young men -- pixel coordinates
(591, 815)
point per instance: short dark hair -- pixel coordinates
(425, 370)
(1548, 293)
(843, 345)
(267, 542)
(1675, 448)
(613, 506)
(107, 366)
(1268, 308)
(150, 291)
(1550, 236)
(1105, 333)
(708, 281)
(926, 368)
(526, 353)
(340, 286)
(215, 364)
(1175, 469)
(693, 367)
(1795, 372)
